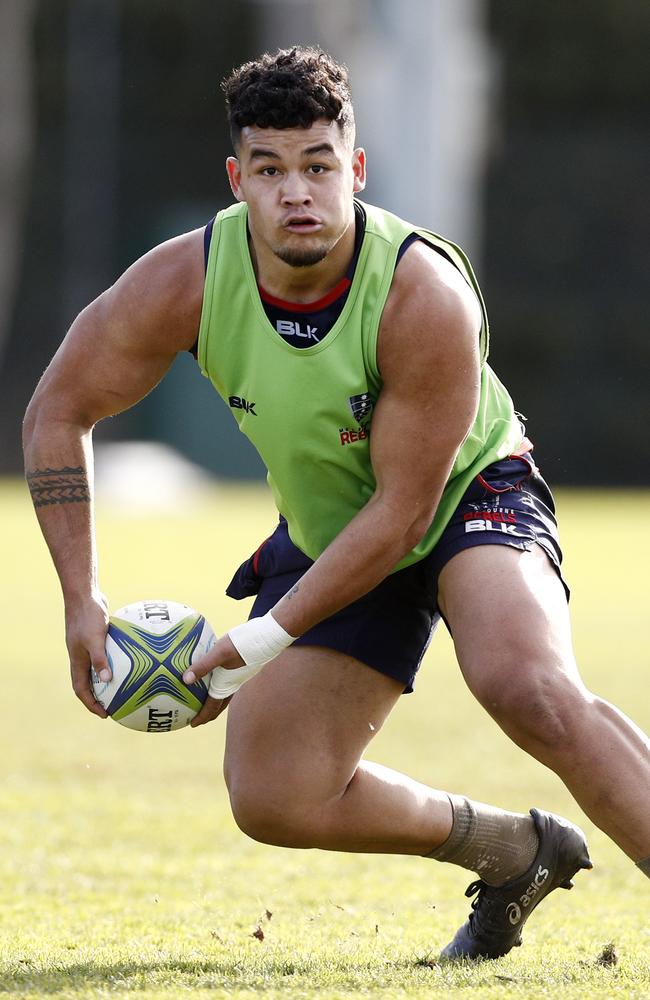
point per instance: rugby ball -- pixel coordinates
(149, 645)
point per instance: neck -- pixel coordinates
(302, 284)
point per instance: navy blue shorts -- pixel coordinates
(390, 628)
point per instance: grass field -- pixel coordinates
(121, 870)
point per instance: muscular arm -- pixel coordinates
(116, 351)
(429, 361)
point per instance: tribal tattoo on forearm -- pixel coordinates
(56, 486)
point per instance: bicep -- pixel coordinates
(123, 343)
(100, 368)
(431, 372)
(416, 435)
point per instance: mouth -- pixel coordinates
(302, 224)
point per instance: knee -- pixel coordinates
(269, 813)
(269, 822)
(536, 704)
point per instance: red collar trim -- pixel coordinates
(306, 307)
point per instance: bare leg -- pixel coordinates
(510, 624)
(294, 741)
(295, 736)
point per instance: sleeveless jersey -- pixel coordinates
(308, 411)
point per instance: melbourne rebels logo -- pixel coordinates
(361, 407)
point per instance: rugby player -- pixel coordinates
(351, 347)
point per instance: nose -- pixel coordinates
(295, 190)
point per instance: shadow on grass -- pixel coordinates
(261, 972)
(309, 975)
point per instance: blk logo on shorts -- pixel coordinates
(361, 407)
(502, 519)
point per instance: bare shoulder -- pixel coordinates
(431, 314)
(121, 345)
(159, 297)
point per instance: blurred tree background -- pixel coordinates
(567, 249)
(123, 142)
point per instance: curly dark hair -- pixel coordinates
(291, 88)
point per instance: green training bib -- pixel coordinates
(308, 411)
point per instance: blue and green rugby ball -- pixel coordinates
(150, 644)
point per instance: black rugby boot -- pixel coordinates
(498, 914)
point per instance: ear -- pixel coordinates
(359, 169)
(233, 170)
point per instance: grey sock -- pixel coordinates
(644, 866)
(495, 844)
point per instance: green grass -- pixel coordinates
(121, 870)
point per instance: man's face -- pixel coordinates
(299, 185)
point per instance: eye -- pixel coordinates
(269, 171)
(317, 168)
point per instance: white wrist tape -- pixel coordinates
(224, 682)
(257, 641)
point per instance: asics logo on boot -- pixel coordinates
(534, 887)
(513, 910)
